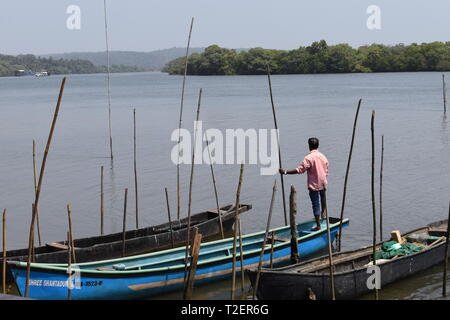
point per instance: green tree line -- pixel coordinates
(319, 57)
(28, 62)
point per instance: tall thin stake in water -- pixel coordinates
(181, 117)
(269, 219)
(38, 189)
(381, 187)
(344, 193)
(190, 187)
(69, 264)
(124, 224)
(374, 211)
(4, 253)
(35, 188)
(135, 171)
(170, 219)
(444, 93)
(215, 187)
(108, 79)
(195, 248)
(444, 286)
(236, 217)
(330, 252)
(69, 215)
(278, 143)
(241, 253)
(102, 211)
(294, 234)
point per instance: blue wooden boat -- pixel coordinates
(159, 272)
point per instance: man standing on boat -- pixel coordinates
(316, 165)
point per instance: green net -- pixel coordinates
(390, 249)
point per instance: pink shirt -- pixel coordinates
(317, 166)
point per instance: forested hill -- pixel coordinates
(28, 62)
(149, 61)
(317, 58)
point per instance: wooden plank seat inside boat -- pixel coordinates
(437, 232)
(276, 238)
(58, 246)
(321, 264)
(214, 211)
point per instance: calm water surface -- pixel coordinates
(409, 113)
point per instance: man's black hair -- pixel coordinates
(313, 143)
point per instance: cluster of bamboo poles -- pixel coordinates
(192, 242)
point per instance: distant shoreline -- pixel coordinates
(318, 58)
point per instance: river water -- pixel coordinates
(409, 113)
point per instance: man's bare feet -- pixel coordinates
(317, 228)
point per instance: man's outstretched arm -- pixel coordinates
(283, 171)
(299, 170)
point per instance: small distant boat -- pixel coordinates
(311, 278)
(139, 241)
(155, 273)
(21, 73)
(42, 74)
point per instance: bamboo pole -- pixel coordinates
(344, 193)
(38, 189)
(241, 253)
(381, 188)
(272, 235)
(102, 210)
(181, 118)
(108, 79)
(373, 196)
(170, 220)
(35, 187)
(30, 249)
(215, 188)
(69, 215)
(69, 254)
(188, 239)
(135, 172)
(444, 93)
(4, 253)
(269, 218)
(278, 143)
(33, 255)
(124, 224)
(292, 213)
(330, 252)
(196, 243)
(238, 195)
(444, 281)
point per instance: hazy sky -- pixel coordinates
(30, 26)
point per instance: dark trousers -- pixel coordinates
(318, 200)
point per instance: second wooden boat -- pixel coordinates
(351, 274)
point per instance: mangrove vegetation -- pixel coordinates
(319, 57)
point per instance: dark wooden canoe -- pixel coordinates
(351, 275)
(137, 241)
